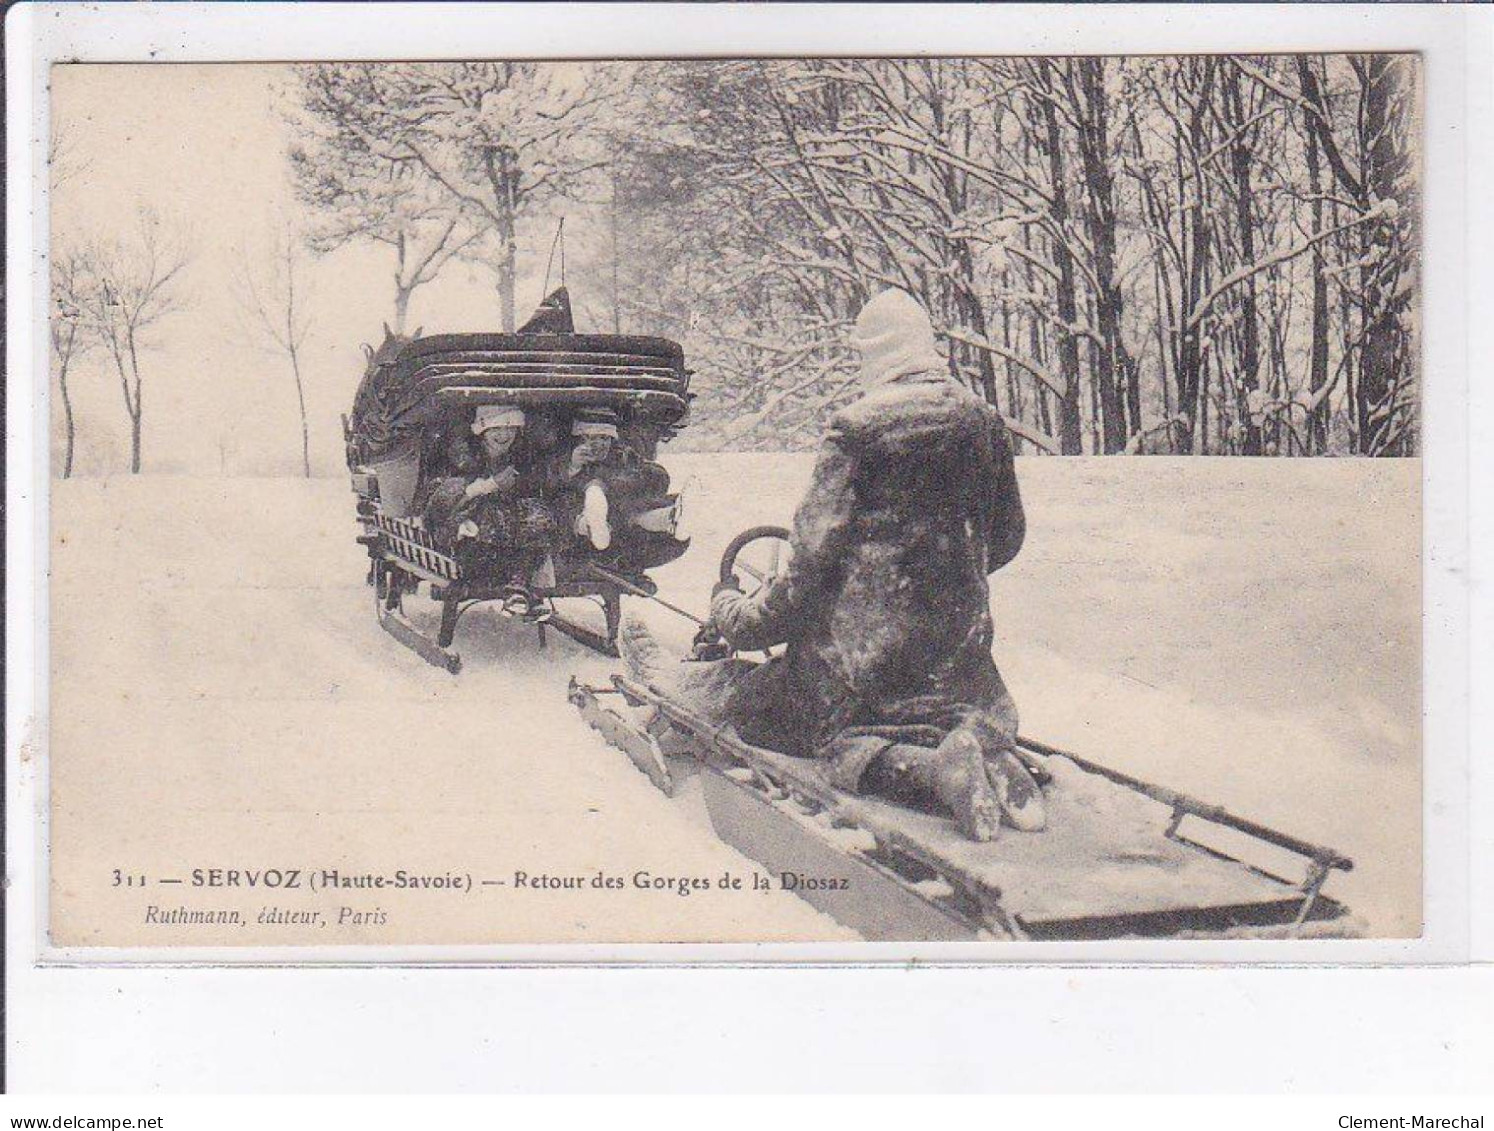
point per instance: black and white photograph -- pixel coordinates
(799, 500)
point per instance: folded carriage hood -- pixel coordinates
(405, 388)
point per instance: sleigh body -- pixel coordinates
(418, 392)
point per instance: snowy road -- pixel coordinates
(1245, 631)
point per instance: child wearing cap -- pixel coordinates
(583, 478)
(607, 490)
(492, 517)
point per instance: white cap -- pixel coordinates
(497, 416)
(594, 428)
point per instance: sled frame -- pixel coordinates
(404, 555)
(957, 904)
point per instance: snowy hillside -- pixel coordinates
(219, 677)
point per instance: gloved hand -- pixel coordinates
(708, 644)
(479, 487)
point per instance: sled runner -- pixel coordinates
(1120, 857)
(417, 400)
(405, 558)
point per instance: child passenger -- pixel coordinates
(604, 485)
(492, 515)
(581, 481)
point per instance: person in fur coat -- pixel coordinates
(884, 607)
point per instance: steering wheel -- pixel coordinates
(760, 552)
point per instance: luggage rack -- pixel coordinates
(403, 553)
(407, 540)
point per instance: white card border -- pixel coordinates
(1454, 787)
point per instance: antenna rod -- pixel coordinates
(556, 242)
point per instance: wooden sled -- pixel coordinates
(1120, 858)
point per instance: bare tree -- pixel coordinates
(73, 290)
(64, 162)
(357, 190)
(1115, 372)
(1317, 417)
(138, 286)
(72, 281)
(1045, 96)
(489, 140)
(271, 292)
(1380, 188)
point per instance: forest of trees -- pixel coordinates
(1198, 254)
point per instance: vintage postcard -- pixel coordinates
(736, 500)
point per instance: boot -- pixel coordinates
(1021, 799)
(660, 520)
(705, 688)
(519, 602)
(1023, 806)
(642, 657)
(952, 774)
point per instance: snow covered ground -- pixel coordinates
(1247, 631)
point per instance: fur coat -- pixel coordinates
(885, 606)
